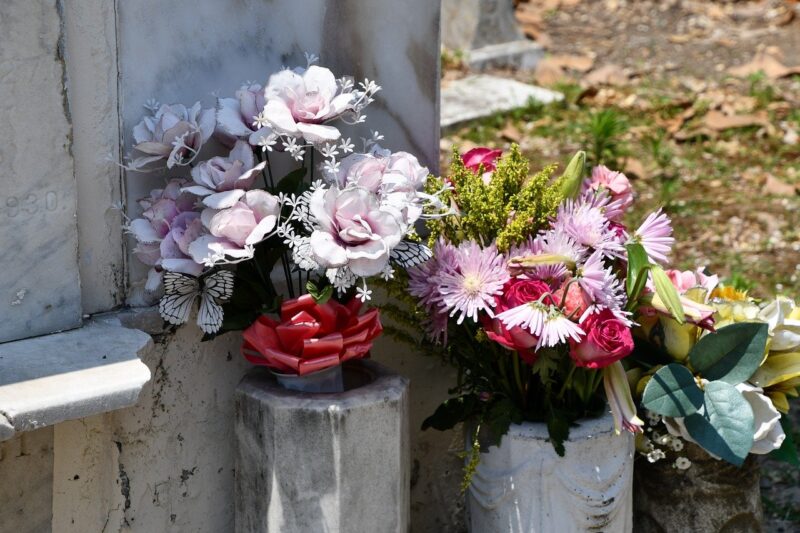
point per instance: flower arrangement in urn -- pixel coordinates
(531, 291)
(221, 225)
(539, 292)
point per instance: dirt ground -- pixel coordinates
(699, 103)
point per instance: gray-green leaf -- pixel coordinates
(725, 425)
(672, 391)
(732, 354)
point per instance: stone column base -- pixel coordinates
(521, 55)
(323, 462)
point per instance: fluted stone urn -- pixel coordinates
(323, 461)
(523, 486)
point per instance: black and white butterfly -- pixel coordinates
(181, 290)
(408, 254)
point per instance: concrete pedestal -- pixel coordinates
(323, 462)
(523, 486)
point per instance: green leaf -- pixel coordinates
(732, 354)
(788, 450)
(672, 391)
(666, 291)
(500, 415)
(638, 263)
(570, 181)
(558, 429)
(724, 427)
(452, 411)
(321, 296)
(291, 182)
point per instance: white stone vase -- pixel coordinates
(523, 486)
(323, 462)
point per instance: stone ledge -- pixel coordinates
(74, 374)
(482, 95)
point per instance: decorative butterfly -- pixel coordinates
(408, 254)
(181, 290)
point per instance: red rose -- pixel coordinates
(607, 340)
(311, 337)
(516, 292)
(482, 156)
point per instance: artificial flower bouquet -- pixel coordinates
(721, 383)
(532, 290)
(221, 225)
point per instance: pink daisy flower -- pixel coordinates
(546, 322)
(480, 276)
(655, 235)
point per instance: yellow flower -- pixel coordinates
(728, 293)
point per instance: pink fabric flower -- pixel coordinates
(235, 116)
(687, 279)
(174, 133)
(616, 183)
(162, 230)
(607, 340)
(223, 180)
(397, 178)
(482, 158)
(354, 230)
(234, 231)
(300, 102)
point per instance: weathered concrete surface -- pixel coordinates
(523, 486)
(323, 462)
(165, 464)
(90, 50)
(436, 465)
(710, 496)
(64, 376)
(486, 32)
(26, 480)
(482, 95)
(39, 288)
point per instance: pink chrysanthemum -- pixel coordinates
(546, 322)
(587, 224)
(655, 235)
(480, 276)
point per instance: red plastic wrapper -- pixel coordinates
(311, 337)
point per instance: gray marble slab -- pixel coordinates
(482, 95)
(185, 50)
(39, 285)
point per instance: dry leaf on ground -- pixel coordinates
(610, 74)
(767, 62)
(778, 187)
(718, 121)
(511, 133)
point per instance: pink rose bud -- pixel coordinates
(616, 183)
(482, 157)
(607, 340)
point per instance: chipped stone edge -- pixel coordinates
(125, 396)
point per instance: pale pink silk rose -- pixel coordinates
(234, 231)
(222, 181)
(175, 133)
(354, 230)
(301, 101)
(236, 116)
(396, 178)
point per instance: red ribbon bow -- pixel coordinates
(310, 336)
